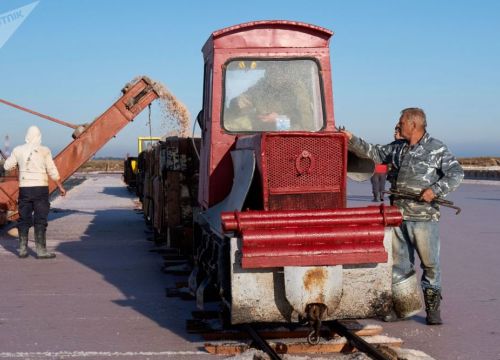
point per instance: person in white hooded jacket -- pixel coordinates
(35, 166)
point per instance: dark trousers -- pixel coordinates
(378, 184)
(33, 207)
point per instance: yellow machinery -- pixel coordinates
(131, 167)
(144, 141)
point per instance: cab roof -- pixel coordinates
(268, 34)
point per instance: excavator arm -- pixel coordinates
(87, 141)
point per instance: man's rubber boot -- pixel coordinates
(41, 244)
(432, 299)
(23, 243)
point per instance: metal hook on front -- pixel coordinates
(313, 338)
(304, 156)
(314, 314)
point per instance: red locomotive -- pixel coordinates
(274, 236)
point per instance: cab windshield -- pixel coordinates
(272, 95)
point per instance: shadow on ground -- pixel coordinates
(115, 191)
(115, 246)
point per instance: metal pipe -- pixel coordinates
(252, 214)
(241, 224)
(312, 249)
(329, 257)
(39, 114)
(312, 236)
(263, 248)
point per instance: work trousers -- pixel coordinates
(378, 185)
(33, 205)
(422, 237)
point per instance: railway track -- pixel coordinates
(278, 339)
(355, 341)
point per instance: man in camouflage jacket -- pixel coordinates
(422, 165)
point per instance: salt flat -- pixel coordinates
(104, 295)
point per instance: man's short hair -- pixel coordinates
(415, 114)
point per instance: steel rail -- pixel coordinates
(356, 341)
(261, 342)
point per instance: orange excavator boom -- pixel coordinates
(87, 142)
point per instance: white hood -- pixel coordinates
(33, 137)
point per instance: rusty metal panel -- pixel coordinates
(306, 285)
(180, 170)
(141, 172)
(157, 203)
(259, 294)
(9, 189)
(171, 158)
(157, 195)
(147, 201)
(172, 185)
(177, 167)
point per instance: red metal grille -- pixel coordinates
(309, 201)
(304, 171)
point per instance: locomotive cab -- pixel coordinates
(274, 237)
(260, 77)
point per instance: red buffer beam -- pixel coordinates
(239, 221)
(313, 246)
(312, 237)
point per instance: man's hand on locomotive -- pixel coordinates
(346, 133)
(427, 195)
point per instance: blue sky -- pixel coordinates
(69, 59)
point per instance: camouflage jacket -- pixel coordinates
(427, 164)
